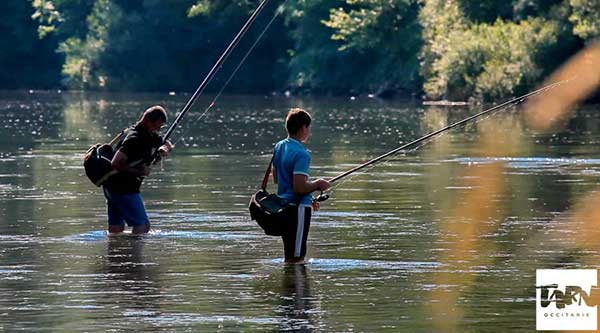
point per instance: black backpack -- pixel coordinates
(97, 160)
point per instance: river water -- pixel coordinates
(447, 237)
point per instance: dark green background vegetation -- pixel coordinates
(461, 49)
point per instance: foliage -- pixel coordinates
(486, 61)
(585, 17)
(63, 18)
(314, 62)
(486, 11)
(509, 56)
(486, 49)
(200, 8)
(387, 32)
(152, 45)
(443, 23)
(48, 16)
(490, 62)
(82, 64)
(26, 61)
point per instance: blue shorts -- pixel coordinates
(125, 207)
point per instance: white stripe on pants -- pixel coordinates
(300, 229)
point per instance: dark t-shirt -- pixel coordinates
(138, 145)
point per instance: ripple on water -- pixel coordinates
(48, 156)
(183, 319)
(5, 188)
(16, 269)
(19, 239)
(530, 162)
(100, 235)
(335, 265)
(353, 214)
(92, 236)
(198, 235)
(13, 175)
(194, 217)
(50, 195)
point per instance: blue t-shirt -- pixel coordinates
(291, 158)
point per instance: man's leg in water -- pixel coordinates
(135, 213)
(115, 229)
(116, 223)
(141, 229)
(296, 234)
(130, 208)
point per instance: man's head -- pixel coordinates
(154, 118)
(297, 124)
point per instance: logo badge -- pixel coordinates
(563, 299)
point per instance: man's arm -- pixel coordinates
(274, 172)
(303, 186)
(120, 163)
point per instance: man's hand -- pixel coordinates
(321, 184)
(316, 205)
(165, 148)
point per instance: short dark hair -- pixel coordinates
(155, 113)
(296, 118)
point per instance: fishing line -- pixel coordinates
(395, 157)
(211, 74)
(429, 137)
(199, 117)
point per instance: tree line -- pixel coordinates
(444, 49)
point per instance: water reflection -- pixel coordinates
(297, 308)
(474, 211)
(132, 280)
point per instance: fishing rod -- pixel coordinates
(237, 68)
(212, 73)
(517, 100)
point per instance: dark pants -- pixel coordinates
(296, 230)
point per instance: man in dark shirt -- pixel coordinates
(122, 190)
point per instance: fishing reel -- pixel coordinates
(322, 197)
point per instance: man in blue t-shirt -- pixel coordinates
(291, 164)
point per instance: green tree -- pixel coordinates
(459, 49)
(82, 28)
(388, 33)
(156, 45)
(82, 65)
(464, 59)
(26, 61)
(585, 17)
(442, 21)
(62, 18)
(487, 11)
(314, 63)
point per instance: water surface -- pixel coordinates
(444, 237)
